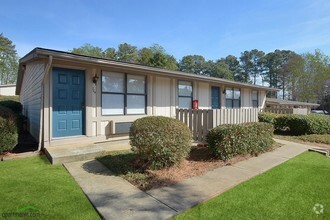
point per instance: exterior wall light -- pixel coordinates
(95, 78)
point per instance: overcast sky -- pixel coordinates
(214, 28)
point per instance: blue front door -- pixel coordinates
(215, 94)
(68, 102)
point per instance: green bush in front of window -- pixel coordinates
(160, 141)
(227, 141)
(8, 129)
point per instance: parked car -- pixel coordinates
(320, 112)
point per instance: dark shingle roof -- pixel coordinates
(287, 102)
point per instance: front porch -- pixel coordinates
(82, 148)
(70, 149)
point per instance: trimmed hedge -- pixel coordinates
(160, 141)
(8, 129)
(267, 117)
(15, 106)
(305, 124)
(227, 141)
(272, 119)
(298, 124)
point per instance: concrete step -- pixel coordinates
(82, 148)
(66, 154)
(116, 145)
(68, 141)
(324, 151)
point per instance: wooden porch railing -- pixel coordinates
(200, 121)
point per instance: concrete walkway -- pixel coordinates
(115, 198)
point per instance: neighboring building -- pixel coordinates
(74, 97)
(7, 90)
(288, 107)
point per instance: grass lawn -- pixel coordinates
(288, 191)
(316, 138)
(14, 98)
(34, 186)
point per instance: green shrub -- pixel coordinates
(318, 124)
(303, 124)
(8, 129)
(267, 117)
(227, 141)
(293, 124)
(298, 124)
(160, 141)
(272, 119)
(281, 122)
(13, 105)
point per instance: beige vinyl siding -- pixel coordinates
(246, 98)
(204, 98)
(262, 98)
(30, 96)
(162, 96)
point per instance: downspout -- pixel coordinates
(41, 126)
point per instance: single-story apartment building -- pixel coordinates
(68, 96)
(288, 107)
(7, 90)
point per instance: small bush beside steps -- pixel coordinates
(160, 141)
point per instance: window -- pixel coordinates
(185, 94)
(215, 97)
(233, 98)
(136, 94)
(123, 94)
(255, 103)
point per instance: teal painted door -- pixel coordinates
(68, 102)
(215, 94)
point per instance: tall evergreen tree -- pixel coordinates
(88, 50)
(193, 64)
(276, 74)
(8, 61)
(157, 56)
(127, 53)
(235, 68)
(252, 63)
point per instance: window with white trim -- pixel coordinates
(233, 98)
(123, 94)
(185, 94)
(255, 103)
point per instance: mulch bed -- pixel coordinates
(199, 162)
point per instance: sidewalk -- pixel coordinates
(115, 198)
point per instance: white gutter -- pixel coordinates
(41, 126)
